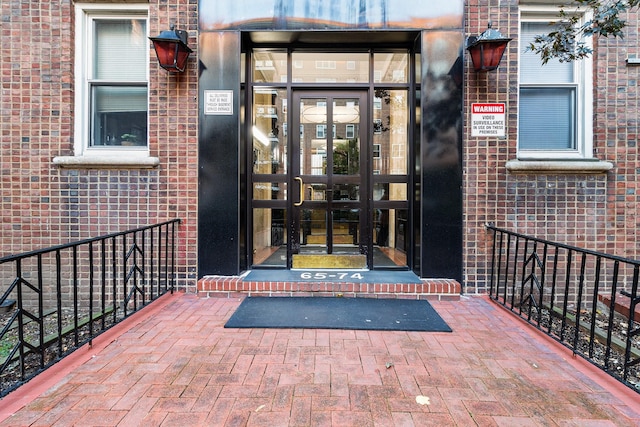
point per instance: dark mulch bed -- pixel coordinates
(54, 348)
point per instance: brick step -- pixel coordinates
(234, 287)
(622, 305)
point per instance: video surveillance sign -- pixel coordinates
(488, 120)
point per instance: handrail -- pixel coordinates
(62, 297)
(572, 295)
(14, 257)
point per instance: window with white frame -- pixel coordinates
(112, 57)
(554, 114)
(350, 131)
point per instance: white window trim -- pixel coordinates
(85, 12)
(584, 80)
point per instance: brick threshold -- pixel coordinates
(235, 287)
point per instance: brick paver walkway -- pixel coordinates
(178, 366)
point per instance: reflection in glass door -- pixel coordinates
(329, 178)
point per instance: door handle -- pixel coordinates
(301, 191)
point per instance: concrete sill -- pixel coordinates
(558, 166)
(106, 162)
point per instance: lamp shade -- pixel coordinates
(172, 50)
(487, 49)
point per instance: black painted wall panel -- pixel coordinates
(219, 202)
(441, 156)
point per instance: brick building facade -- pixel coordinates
(51, 194)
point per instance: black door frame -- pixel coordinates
(411, 179)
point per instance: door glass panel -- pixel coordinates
(346, 141)
(313, 230)
(346, 192)
(390, 135)
(269, 131)
(345, 228)
(391, 67)
(330, 67)
(315, 192)
(269, 237)
(313, 136)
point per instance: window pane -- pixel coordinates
(121, 49)
(531, 68)
(330, 67)
(269, 66)
(391, 67)
(119, 115)
(269, 235)
(547, 118)
(390, 191)
(390, 123)
(269, 191)
(269, 138)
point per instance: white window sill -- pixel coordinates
(592, 166)
(106, 162)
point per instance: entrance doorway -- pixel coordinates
(329, 179)
(328, 227)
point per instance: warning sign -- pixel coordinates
(488, 120)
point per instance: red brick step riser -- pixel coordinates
(233, 286)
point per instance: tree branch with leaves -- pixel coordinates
(566, 42)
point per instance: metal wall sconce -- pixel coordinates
(172, 49)
(487, 49)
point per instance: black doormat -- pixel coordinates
(337, 313)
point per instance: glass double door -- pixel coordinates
(329, 181)
(310, 179)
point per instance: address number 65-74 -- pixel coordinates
(319, 275)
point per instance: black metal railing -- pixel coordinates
(55, 300)
(570, 294)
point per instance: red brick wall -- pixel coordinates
(36, 119)
(43, 205)
(593, 211)
(617, 136)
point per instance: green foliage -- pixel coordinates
(346, 157)
(565, 41)
(6, 347)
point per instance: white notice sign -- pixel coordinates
(218, 102)
(488, 120)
